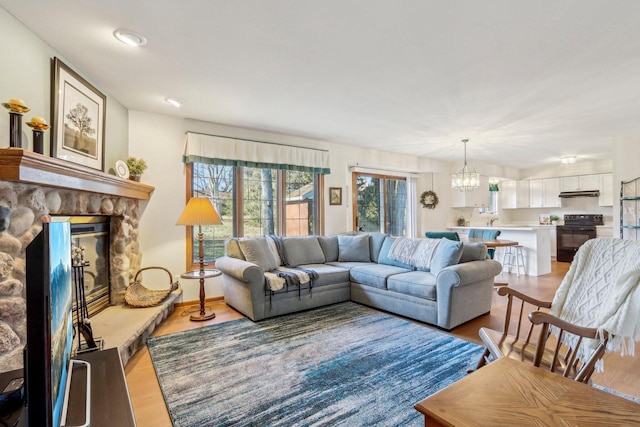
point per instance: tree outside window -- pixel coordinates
(254, 202)
(381, 204)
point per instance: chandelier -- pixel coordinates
(467, 178)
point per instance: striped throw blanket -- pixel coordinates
(289, 276)
(283, 276)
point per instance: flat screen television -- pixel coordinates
(49, 324)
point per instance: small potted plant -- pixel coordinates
(136, 168)
(554, 219)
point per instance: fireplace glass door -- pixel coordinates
(92, 234)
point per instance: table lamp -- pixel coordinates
(199, 211)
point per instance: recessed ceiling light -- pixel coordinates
(130, 38)
(176, 102)
(568, 159)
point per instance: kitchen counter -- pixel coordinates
(501, 227)
(535, 241)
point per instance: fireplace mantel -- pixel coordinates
(25, 166)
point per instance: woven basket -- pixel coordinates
(137, 295)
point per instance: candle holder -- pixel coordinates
(16, 109)
(39, 126)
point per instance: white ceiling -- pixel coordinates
(525, 81)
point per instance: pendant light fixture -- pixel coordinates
(467, 178)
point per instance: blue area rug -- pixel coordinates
(344, 364)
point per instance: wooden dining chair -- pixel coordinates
(451, 235)
(485, 234)
(591, 313)
(526, 337)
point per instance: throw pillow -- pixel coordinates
(274, 250)
(303, 250)
(354, 248)
(473, 252)
(257, 251)
(329, 246)
(447, 253)
(232, 248)
(377, 239)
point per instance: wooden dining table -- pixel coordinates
(494, 243)
(509, 392)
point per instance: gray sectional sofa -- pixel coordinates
(455, 287)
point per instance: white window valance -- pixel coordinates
(213, 149)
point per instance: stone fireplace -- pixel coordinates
(33, 188)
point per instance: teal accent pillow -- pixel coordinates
(257, 251)
(383, 258)
(353, 248)
(447, 253)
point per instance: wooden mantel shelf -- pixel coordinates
(25, 166)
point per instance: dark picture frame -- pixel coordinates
(335, 195)
(79, 118)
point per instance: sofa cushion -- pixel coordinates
(354, 248)
(257, 251)
(415, 283)
(447, 253)
(328, 274)
(375, 241)
(232, 249)
(375, 274)
(329, 245)
(349, 265)
(383, 258)
(303, 250)
(473, 252)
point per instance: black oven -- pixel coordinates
(576, 230)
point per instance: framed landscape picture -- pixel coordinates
(335, 195)
(79, 114)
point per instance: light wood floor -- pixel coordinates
(622, 374)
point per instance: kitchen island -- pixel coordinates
(535, 242)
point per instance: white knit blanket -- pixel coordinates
(602, 290)
(415, 252)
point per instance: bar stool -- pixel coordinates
(513, 257)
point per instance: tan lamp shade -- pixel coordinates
(199, 211)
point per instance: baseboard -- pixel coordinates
(196, 302)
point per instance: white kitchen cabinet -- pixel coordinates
(580, 183)
(514, 194)
(543, 193)
(471, 199)
(522, 194)
(606, 190)
(508, 194)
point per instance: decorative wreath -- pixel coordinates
(429, 199)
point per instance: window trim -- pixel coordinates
(238, 225)
(354, 195)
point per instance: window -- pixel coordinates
(492, 205)
(380, 203)
(253, 202)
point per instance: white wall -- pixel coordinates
(626, 166)
(160, 141)
(26, 74)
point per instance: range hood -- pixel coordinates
(572, 194)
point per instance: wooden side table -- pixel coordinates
(202, 275)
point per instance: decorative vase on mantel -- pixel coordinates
(135, 178)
